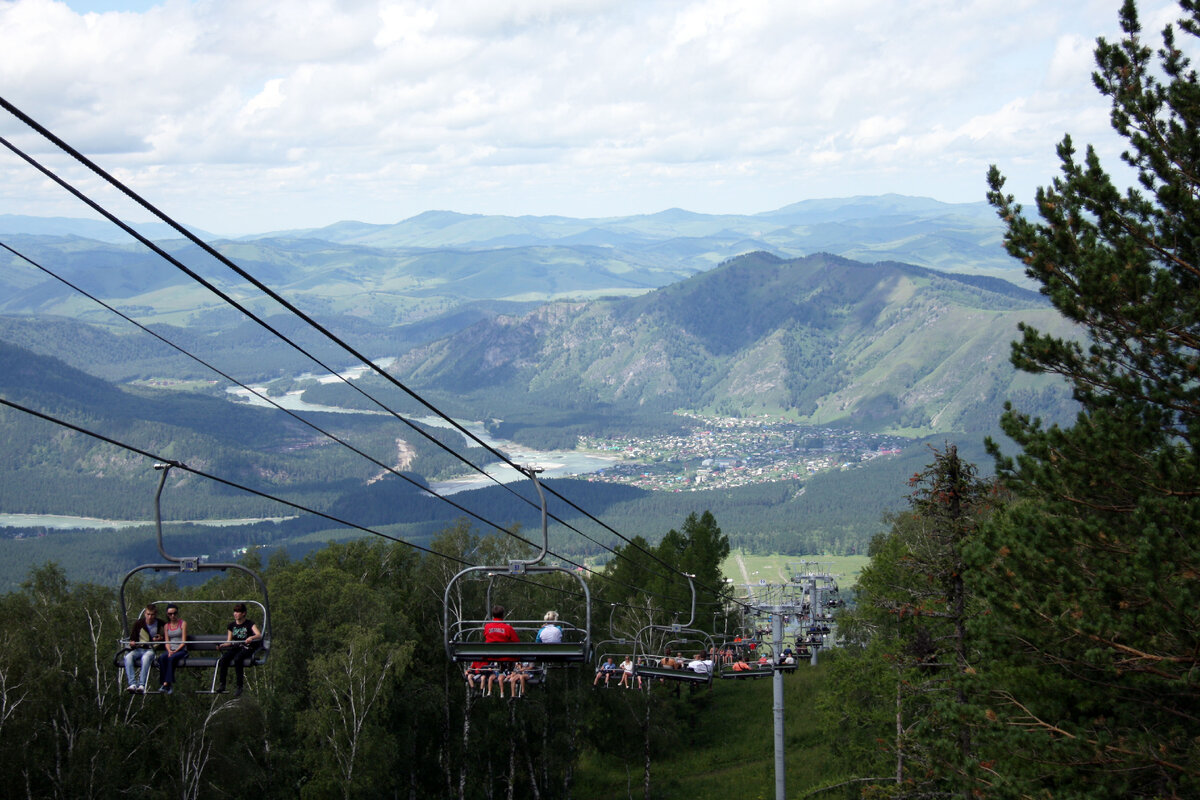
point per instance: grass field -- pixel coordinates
(744, 568)
(729, 751)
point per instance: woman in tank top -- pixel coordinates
(176, 653)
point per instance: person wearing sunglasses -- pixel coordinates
(176, 652)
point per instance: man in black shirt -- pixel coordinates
(242, 640)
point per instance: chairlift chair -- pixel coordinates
(682, 634)
(197, 643)
(464, 637)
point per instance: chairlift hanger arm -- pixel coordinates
(531, 472)
(462, 650)
(164, 467)
(188, 564)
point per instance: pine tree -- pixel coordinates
(909, 685)
(1093, 574)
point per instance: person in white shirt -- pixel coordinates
(701, 665)
(627, 674)
(550, 633)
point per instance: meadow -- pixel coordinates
(747, 568)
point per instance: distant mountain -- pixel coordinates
(388, 286)
(962, 237)
(96, 229)
(440, 263)
(832, 340)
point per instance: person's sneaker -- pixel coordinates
(221, 689)
(131, 688)
(237, 692)
(141, 688)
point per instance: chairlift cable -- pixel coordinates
(250, 490)
(279, 299)
(313, 426)
(230, 301)
(287, 411)
(218, 479)
(100, 172)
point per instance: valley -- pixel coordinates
(713, 452)
(791, 393)
(881, 497)
(728, 452)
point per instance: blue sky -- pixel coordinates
(246, 117)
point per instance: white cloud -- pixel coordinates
(272, 114)
(1072, 61)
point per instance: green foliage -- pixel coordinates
(906, 680)
(356, 699)
(640, 574)
(709, 744)
(1093, 575)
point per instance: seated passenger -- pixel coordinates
(498, 630)
(477, 675)
(550, 633)
(519, 676)
(606, 670)
(626, 673)
(700, 665)
(140, 649)
(498, 677)
(242, 639)
(176, 647)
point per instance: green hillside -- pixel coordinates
(48, 469)
(827, 340)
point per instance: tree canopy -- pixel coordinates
(1092, 572)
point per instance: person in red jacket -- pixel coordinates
(498, 630)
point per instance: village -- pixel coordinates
(725, 452)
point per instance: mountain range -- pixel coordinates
(822, 338)
(545, 328)
(630, 314)
(963, 237)
(441, 262)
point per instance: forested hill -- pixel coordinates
(834, 340)
(49, 385)
(45, 468)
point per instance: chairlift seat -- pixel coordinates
(467, 644)
(464, 638)
(206, 644)
(683, 675)
(564, 653)
(756, 672)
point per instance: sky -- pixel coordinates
(245, 117)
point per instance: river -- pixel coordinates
(554, 463)
(60, 522)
